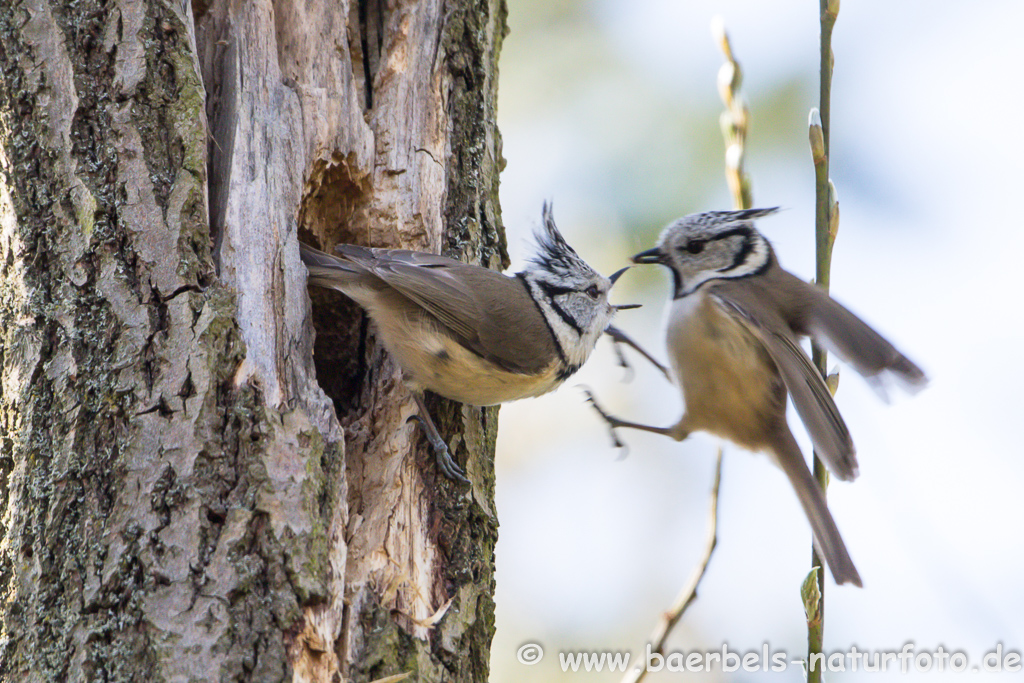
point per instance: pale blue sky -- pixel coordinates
(610, 109)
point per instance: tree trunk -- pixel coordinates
(180, 500)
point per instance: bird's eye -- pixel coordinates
(695, 246)
(592, 291)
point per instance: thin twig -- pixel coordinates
(689, 592)
(826, 224)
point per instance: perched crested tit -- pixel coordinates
(734, 330)
(469, 333)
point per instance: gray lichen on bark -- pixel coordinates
(178, 499)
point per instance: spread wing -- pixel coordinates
(753, 305)
(853, 340)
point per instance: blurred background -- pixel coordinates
(610, 109)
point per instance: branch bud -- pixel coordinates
(741, 113)
(720, 36)
(833, 211)
(727, 82)
(733, 157)
(816, 136)
(810, 595)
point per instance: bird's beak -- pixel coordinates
(649, 256)
(615, 276)
(618, 273)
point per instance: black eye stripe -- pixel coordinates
(558, 290)
(745, 232)
(697, 245)
(555, 290)
(702, 241)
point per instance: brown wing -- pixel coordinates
(754, 302)
(487, 312)
(324, 269)
(810, 311)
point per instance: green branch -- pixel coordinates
(826, 224)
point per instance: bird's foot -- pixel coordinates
(445, 462)
(612, 421)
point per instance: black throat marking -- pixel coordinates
(554, 337)
(554, 290)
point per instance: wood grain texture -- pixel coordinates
(339, 120)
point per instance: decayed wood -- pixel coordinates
(349, 108)
(180, 501)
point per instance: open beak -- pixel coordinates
(615, 276)
(649, 256)
(618, 273)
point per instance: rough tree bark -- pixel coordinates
(180, 500)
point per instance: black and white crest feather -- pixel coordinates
(553, 253)
(711, 218)
(572, 296)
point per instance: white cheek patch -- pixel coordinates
(754, 261)
(685, 307)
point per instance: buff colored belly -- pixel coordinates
(730, 385)
(438, 363)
